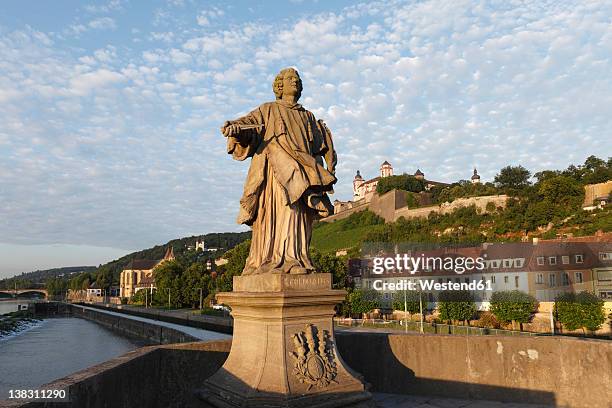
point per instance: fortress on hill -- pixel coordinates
(393, 204)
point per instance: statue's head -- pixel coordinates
(290, 78)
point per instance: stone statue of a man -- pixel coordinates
(288, 181)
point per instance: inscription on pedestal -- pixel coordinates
(279, 283)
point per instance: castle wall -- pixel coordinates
(592, 191)
(392, 205)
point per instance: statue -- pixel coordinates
(283, 348)
(287, 183)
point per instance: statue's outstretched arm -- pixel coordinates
(244, 134)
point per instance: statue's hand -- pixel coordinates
(230, 130)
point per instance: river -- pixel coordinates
(55, 348)
(8, 306)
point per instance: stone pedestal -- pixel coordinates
(283, 350)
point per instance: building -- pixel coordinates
(543, 269)
(475, 177)
(363, 190)
(138, 274)
(597, 195)
(94, 291)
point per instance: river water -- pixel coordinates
(8, 306)
(55, 348)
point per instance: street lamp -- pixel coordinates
(421, 310)
(405, 313)
(168, 298)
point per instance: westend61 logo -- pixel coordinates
(404, 262)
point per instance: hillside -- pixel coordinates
(39, 277)
(548, 205)
(222, 241)
(346, 233)
(519, 220)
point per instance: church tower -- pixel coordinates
(357, 182)
(386, 169)
(475, 177)
(419, 175)
(169, 256)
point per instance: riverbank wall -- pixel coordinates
(213, 323)
(148, 332)
(551, 371)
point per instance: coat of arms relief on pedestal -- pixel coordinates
(314, 357)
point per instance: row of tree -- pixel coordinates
(575, 311)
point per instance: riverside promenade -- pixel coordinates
(185, 317)
(195, 332)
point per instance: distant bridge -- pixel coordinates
(23, 293)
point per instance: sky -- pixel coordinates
(110, 111)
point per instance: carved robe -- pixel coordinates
(287, 184)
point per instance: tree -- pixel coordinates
(402, 182)
(561, 190)
(104, 279)
(513, 306)
(513, 177)
(329, 263)
(546, 174)
(413, 301)
(141, 296)
(56, 287)
(592, 308)
(194, 279)
(593, 162)
(363, 301)
(463, 189)
(456, 305)
(583, 310)
(76, 283)
(236, 259)
(168, 279)
(596, 170)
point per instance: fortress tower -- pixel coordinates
(357, 182)
(386, 169)
(475, 177)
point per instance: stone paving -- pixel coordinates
(419, 401)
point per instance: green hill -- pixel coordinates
(547, 207)
(222, 241)
(39, 277)
(346, 233)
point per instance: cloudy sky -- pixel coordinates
(110, 111)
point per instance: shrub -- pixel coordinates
(413, 304)
(592, 310)
(402, 182)
(513, 306)
(583, 310)
(456, 305)
(568, 311)
(363, 301)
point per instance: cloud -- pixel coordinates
(103, 23)
(111, 6)
(118, 144)
(83, 84)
